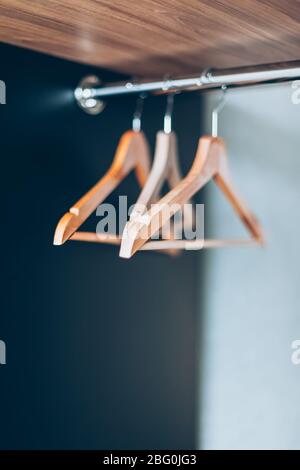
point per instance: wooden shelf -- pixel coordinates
(151, 37)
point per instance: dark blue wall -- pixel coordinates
(100, 351)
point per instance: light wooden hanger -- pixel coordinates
(165, 167)
(210, 163)
(132, 154)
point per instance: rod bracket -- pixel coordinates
(85, 95)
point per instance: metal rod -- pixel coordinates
(89, 94)
(212, 78)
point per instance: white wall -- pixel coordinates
(249, 388)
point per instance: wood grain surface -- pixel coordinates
(155, 37)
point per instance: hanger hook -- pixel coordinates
(137, 116)
(168, 114)
(216, 111)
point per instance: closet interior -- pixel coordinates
(120, 117)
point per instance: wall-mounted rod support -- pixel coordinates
(89, 97)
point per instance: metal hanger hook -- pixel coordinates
(216, 111)
(137, 116)
(168, 114)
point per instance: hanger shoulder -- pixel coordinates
(134, 153)
(174, 173)
(224, 182)
(174, 178)
(157, 174)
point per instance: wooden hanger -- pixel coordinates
(165, 165)
(210, 162)
(165, 168)
(132, 154)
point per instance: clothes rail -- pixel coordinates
(89, 92)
